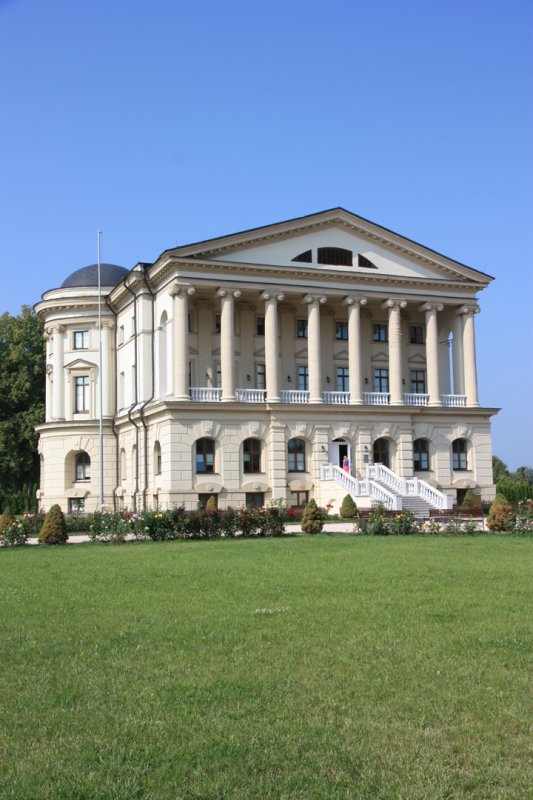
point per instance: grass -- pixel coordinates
(327, 667)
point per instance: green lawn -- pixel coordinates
(327, 667)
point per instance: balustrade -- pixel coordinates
(337, 398)
(415, 399)
(205, 394)
(294, 396)
(250, 395)
(376, 398)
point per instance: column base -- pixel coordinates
(314, 401)
(356, 402)
(434, 404)
(182, 398)
(229, 399)
(273, 399)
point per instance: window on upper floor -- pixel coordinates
(260, 376)
(416, 334)
(81, 340)
(380, 332)
(260, 326)
(421, 455)
(418, 381)
(157, 459)
(205, 455)
(218, 322)
(301, 328)
(381, 380)
(82, 466)
(81, 394)
(459, 454)
(343, 382)
(306, 257)
(121, 334)
(303, 377)
(251, 455)
(341, 330)
(335, 256)
(296, 455)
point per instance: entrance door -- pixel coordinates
(381, 452)
(338, 450)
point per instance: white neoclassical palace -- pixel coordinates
(315, 357)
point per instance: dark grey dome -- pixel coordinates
(110, 275)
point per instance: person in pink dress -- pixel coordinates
(346, 464)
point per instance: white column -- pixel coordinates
(58, 374)
(355, 368)
(271, 345)
(395, 349)
(469, 357)
(432, 352)
(457, 355)
(107, 377)
(313, 347)
(227, 343)
(180, 347)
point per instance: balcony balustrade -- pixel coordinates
(453, 400)
(250, 395)
(337, 398)
(205, 394)
(415, 399)
(376, 398)
(294, 396)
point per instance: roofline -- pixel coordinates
(316, 214)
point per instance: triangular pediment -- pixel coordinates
(375, 251)
(380, 358)
(342, 355)
(417, 358)
(80, 363)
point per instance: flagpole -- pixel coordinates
(100, 378)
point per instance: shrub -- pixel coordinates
(500, 514)
(313, 518)
(348, 508)
(54, 530)
(14, 534)
(469, 501)
(523, 522)
(6, 520)
(375, 525)
(405, 524)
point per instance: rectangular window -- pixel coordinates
(343, 384)
(76, 505)
(303, 377)
(418, 381)
(255, 499)
(189, 321)
(218, 375)
(298, 499)
(341, 330)
(416, 334)
(133, 326)
(121, 334)
(81, 340)
(381, 380)
(380, 333)
(260, 376)
(217, 323)
(301, 328)
(260, 326)
(81, 387)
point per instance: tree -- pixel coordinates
(348, 508)
(22, 390)
(500, 514)
(524, 474)
(54, 530)
(499, 469)
(313, 518)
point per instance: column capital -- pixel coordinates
(431, 307)
(467, 310)
(355, 301)
(315, 298)
(178, 288)
(278, 296)
(394, 302)
(108, 323)
(55, 328)
(228, 293)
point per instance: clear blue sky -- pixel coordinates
(167, 122)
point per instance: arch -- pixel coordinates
(296, 455)
(459, 454)
(163, 355)
(205, 455)
(157, 458)
(251, 455)
(82, 466)
(381, 451)
(421, 455)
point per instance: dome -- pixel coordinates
(110, 275)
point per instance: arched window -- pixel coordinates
(123, 471)
(336, 256)
(421, 455)
(157, 459)
(83, 466)
(251, 455)
(163, 355)
(306, 257)
(205, 455)
(381, 452)
(296, 453)
(459, 454)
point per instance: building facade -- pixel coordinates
(280, 363)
